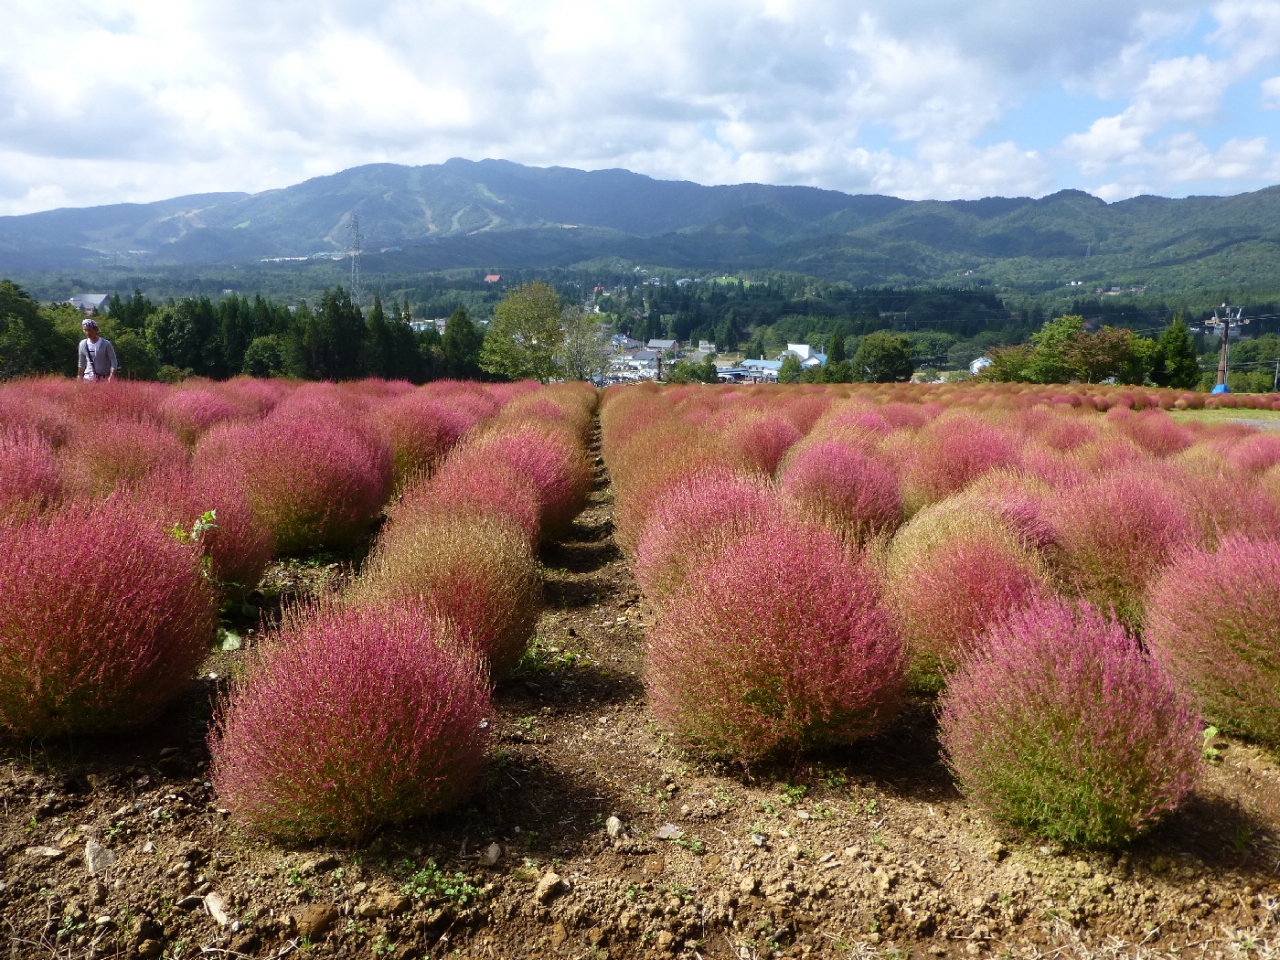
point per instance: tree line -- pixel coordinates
(1063, 351)
(195, 336)
(531, 335)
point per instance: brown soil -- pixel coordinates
(865, 852)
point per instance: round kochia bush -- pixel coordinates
(842, 487)
(775, 644)
(348, 720)
(104, 619)
(314, 481)
(697, 514)
(1211, 618)
(1115, 533)
(29, 479)
(478, 572)
(551, 458)
(954, 569)
(1059, 725)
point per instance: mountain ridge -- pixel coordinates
(495, 213)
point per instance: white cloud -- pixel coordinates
(108, 100)
(1271, 93)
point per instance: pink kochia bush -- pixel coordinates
(189, 413)
(953, 570)
(113, 454)
(840, 486)
(469, 484)
(478, 572)
(350, 719)
(104, 619)
(773, 645)
(421, 429)
(763, 438)
(1059, 725)
(1212, 619)
(238, 548)
(29, 479)
(1114, 535)
(553, 461)
(698, 514)
(312, 480)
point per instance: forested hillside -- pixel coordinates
(499, 215)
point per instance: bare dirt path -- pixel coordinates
(864, 852)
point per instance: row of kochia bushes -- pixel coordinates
(127, 512)
(1079, 588)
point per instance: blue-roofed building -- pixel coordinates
(762, 369)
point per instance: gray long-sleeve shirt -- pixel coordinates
(101, 354)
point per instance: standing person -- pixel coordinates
(97, 355)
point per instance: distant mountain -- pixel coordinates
(493, 213)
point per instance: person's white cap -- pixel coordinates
(88, 322)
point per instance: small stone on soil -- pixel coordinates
(548, 887)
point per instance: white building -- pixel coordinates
(979, 365)
(807, 355)
(90, 302)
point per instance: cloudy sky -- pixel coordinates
(104, 101)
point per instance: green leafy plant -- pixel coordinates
(434, 885)
(1209, 752)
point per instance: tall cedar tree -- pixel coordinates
(461, 346)
(838, 368)
(1175, 363)
(29, 340)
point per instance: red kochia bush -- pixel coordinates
(189, 413)
(104, 618)
(774, 644)
(553, 461)
(952, 452)
(421, 430)
(953, 570)
(470, 485)
(29, 480)
(238, 547)
(348, 720)
(313, 481)
(1211, 618)
(1115, 533)
(696, 514)
(763, 438)
(843, 488)
(1059, 725)
(111, 454)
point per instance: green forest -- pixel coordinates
(220, 334)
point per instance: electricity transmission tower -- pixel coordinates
(1225, 322)
(357, 285)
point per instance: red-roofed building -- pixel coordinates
(492, 277)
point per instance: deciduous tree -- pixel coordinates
(524, 334)
(882, 358)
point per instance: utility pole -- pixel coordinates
(357, 286)
(1225, 322)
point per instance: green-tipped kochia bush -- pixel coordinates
(348, 720)
(1059, 725)
(773, 645)
(477, 572)
(1213, 618)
